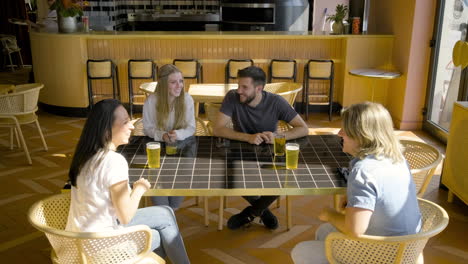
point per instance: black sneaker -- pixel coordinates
(239, 220)
(269, 219)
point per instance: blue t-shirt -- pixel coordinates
(263, 117)
(388, 190)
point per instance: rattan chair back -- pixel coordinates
(423, 160)
(340, 248)
(22, 101)
(126, 245)
(287, 90)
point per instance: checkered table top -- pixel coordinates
(211, 166)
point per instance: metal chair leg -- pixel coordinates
(42, 136)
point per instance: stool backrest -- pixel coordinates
(282, 69)
(141, 69)
(234, 65)
(190, 68)
(99, 69)
(320, 69)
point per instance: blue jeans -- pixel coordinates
(166, 238)
(173, 201)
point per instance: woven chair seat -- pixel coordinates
(22, 119)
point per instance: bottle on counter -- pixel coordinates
(85, 21)
(356, 24)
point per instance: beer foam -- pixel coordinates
(289, 147)
(153, 146)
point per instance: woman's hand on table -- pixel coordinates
(172, 136)
(142, 184)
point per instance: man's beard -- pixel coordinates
(248, 100)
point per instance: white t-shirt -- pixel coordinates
(150, 117)
(91, 208)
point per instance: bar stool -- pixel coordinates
(139, 69)
(100, 70)
(318, 70)
(190, 68)
(282, 69)
(9, 46)
(233, 66)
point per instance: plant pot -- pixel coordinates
(338, 27)
(67, 24)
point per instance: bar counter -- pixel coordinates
(59, 60)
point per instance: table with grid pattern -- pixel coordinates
(210, 166)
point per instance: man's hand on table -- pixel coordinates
(270, 137)
(257, 138)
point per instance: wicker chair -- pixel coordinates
(129, 245)
(340, 248)
(286, 90)
(201, 128)
(19, 108)
(423, 160)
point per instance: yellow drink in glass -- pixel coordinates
(171, 149)
(153, 150)
(292, 155)
(280, 141)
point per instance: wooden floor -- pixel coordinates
(21, 185)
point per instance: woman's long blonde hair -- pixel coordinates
(370, 125)
(163, 108)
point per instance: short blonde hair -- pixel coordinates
(162, 107)
(370, 125)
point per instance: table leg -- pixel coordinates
(197, 108)
(372, 88)
(206, 213)
(220, 213)
(450, 197)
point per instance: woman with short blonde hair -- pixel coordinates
(371, 126)
(381, 195)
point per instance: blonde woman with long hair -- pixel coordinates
(168, 115)
(381, 195)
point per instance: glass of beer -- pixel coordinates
(171, 148)
(280, 141)
(153, 150)
(292, 155)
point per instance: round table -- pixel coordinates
(375, 74)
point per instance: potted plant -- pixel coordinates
(67, 12)
(337, 18)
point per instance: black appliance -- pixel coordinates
(263, 15)
(246, 15)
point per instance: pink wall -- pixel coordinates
(411, 22)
